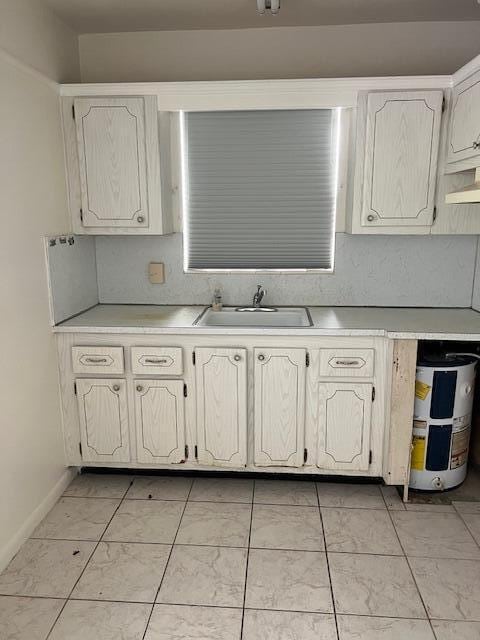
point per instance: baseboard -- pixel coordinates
(34, 519)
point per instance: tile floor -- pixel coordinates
(172, 558)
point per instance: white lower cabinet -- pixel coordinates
(344, 423)
(279, 407)
(103, 415)
(160, 421)
(221, 388)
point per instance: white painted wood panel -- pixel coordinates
(221, 386)
(464, 138)
(400, 164)
(102, 405)
(112, 154)
(160, 361)
(279, 406)
(160, 421)
(94, 360)
(344, 421)
(351, 363)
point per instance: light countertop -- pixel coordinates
(409, 323)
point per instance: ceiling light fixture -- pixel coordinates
(270, 5)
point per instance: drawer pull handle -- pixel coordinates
(347, 363)
(96, 360)
(156, 360)
(116, 387)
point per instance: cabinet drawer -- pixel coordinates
(97, 360)
(347, 363)
(157, 360)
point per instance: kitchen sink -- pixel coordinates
(255, 317)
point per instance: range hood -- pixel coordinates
(470, 193)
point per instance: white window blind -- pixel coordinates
(260, 189)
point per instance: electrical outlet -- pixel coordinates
(156, 273)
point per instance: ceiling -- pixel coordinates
(103, 16)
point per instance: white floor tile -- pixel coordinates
(77, 519)
(215, 523)
(123, 571)
(211, 576)
(172, 622)
(367, 628)
(288, 580)
(159, 488)
(360, 531)
(286, 527)
(83, 620)
(374, 586)
(222, 490)
(448, 630)
(98, 485)
(361, 496)
(288, 625)
(449, 588)
(46, 568)
(293, 492)
(434, 535)
(27, 618)
(145, 521)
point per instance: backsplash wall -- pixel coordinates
(400, 271)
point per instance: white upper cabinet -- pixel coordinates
(159, 420)
(113, 163)
(344, 421)
(280, 407)
(464, 133)
(396, 161)
(221, 385)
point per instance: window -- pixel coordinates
(260, 189)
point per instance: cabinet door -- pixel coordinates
(113, 164)
(464, 138)
(401, 149)
(160, 423)
(102, 405)
(344, 420)
(279, 407)
(221, 380)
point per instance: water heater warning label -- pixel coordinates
(459, 453)
(422, 389)
(418, 453)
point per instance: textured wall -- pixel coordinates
(369, 270)
(34, 203)
(35, 36)
(289, 52)
(476, 284)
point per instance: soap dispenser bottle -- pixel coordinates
(217, 300)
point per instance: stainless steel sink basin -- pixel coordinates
(255, 317)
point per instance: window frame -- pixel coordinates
(344, 115)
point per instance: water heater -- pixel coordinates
(444, 389)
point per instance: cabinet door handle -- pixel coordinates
(156, 360)
(237, 358)
(347, 363)
(261, 357)
(95, 360)
(140, 219)
(476, 145)
(370, 217)
(116, 387)
(139, 388)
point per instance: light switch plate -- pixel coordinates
(156, 272)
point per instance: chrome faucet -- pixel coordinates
(259, 295)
